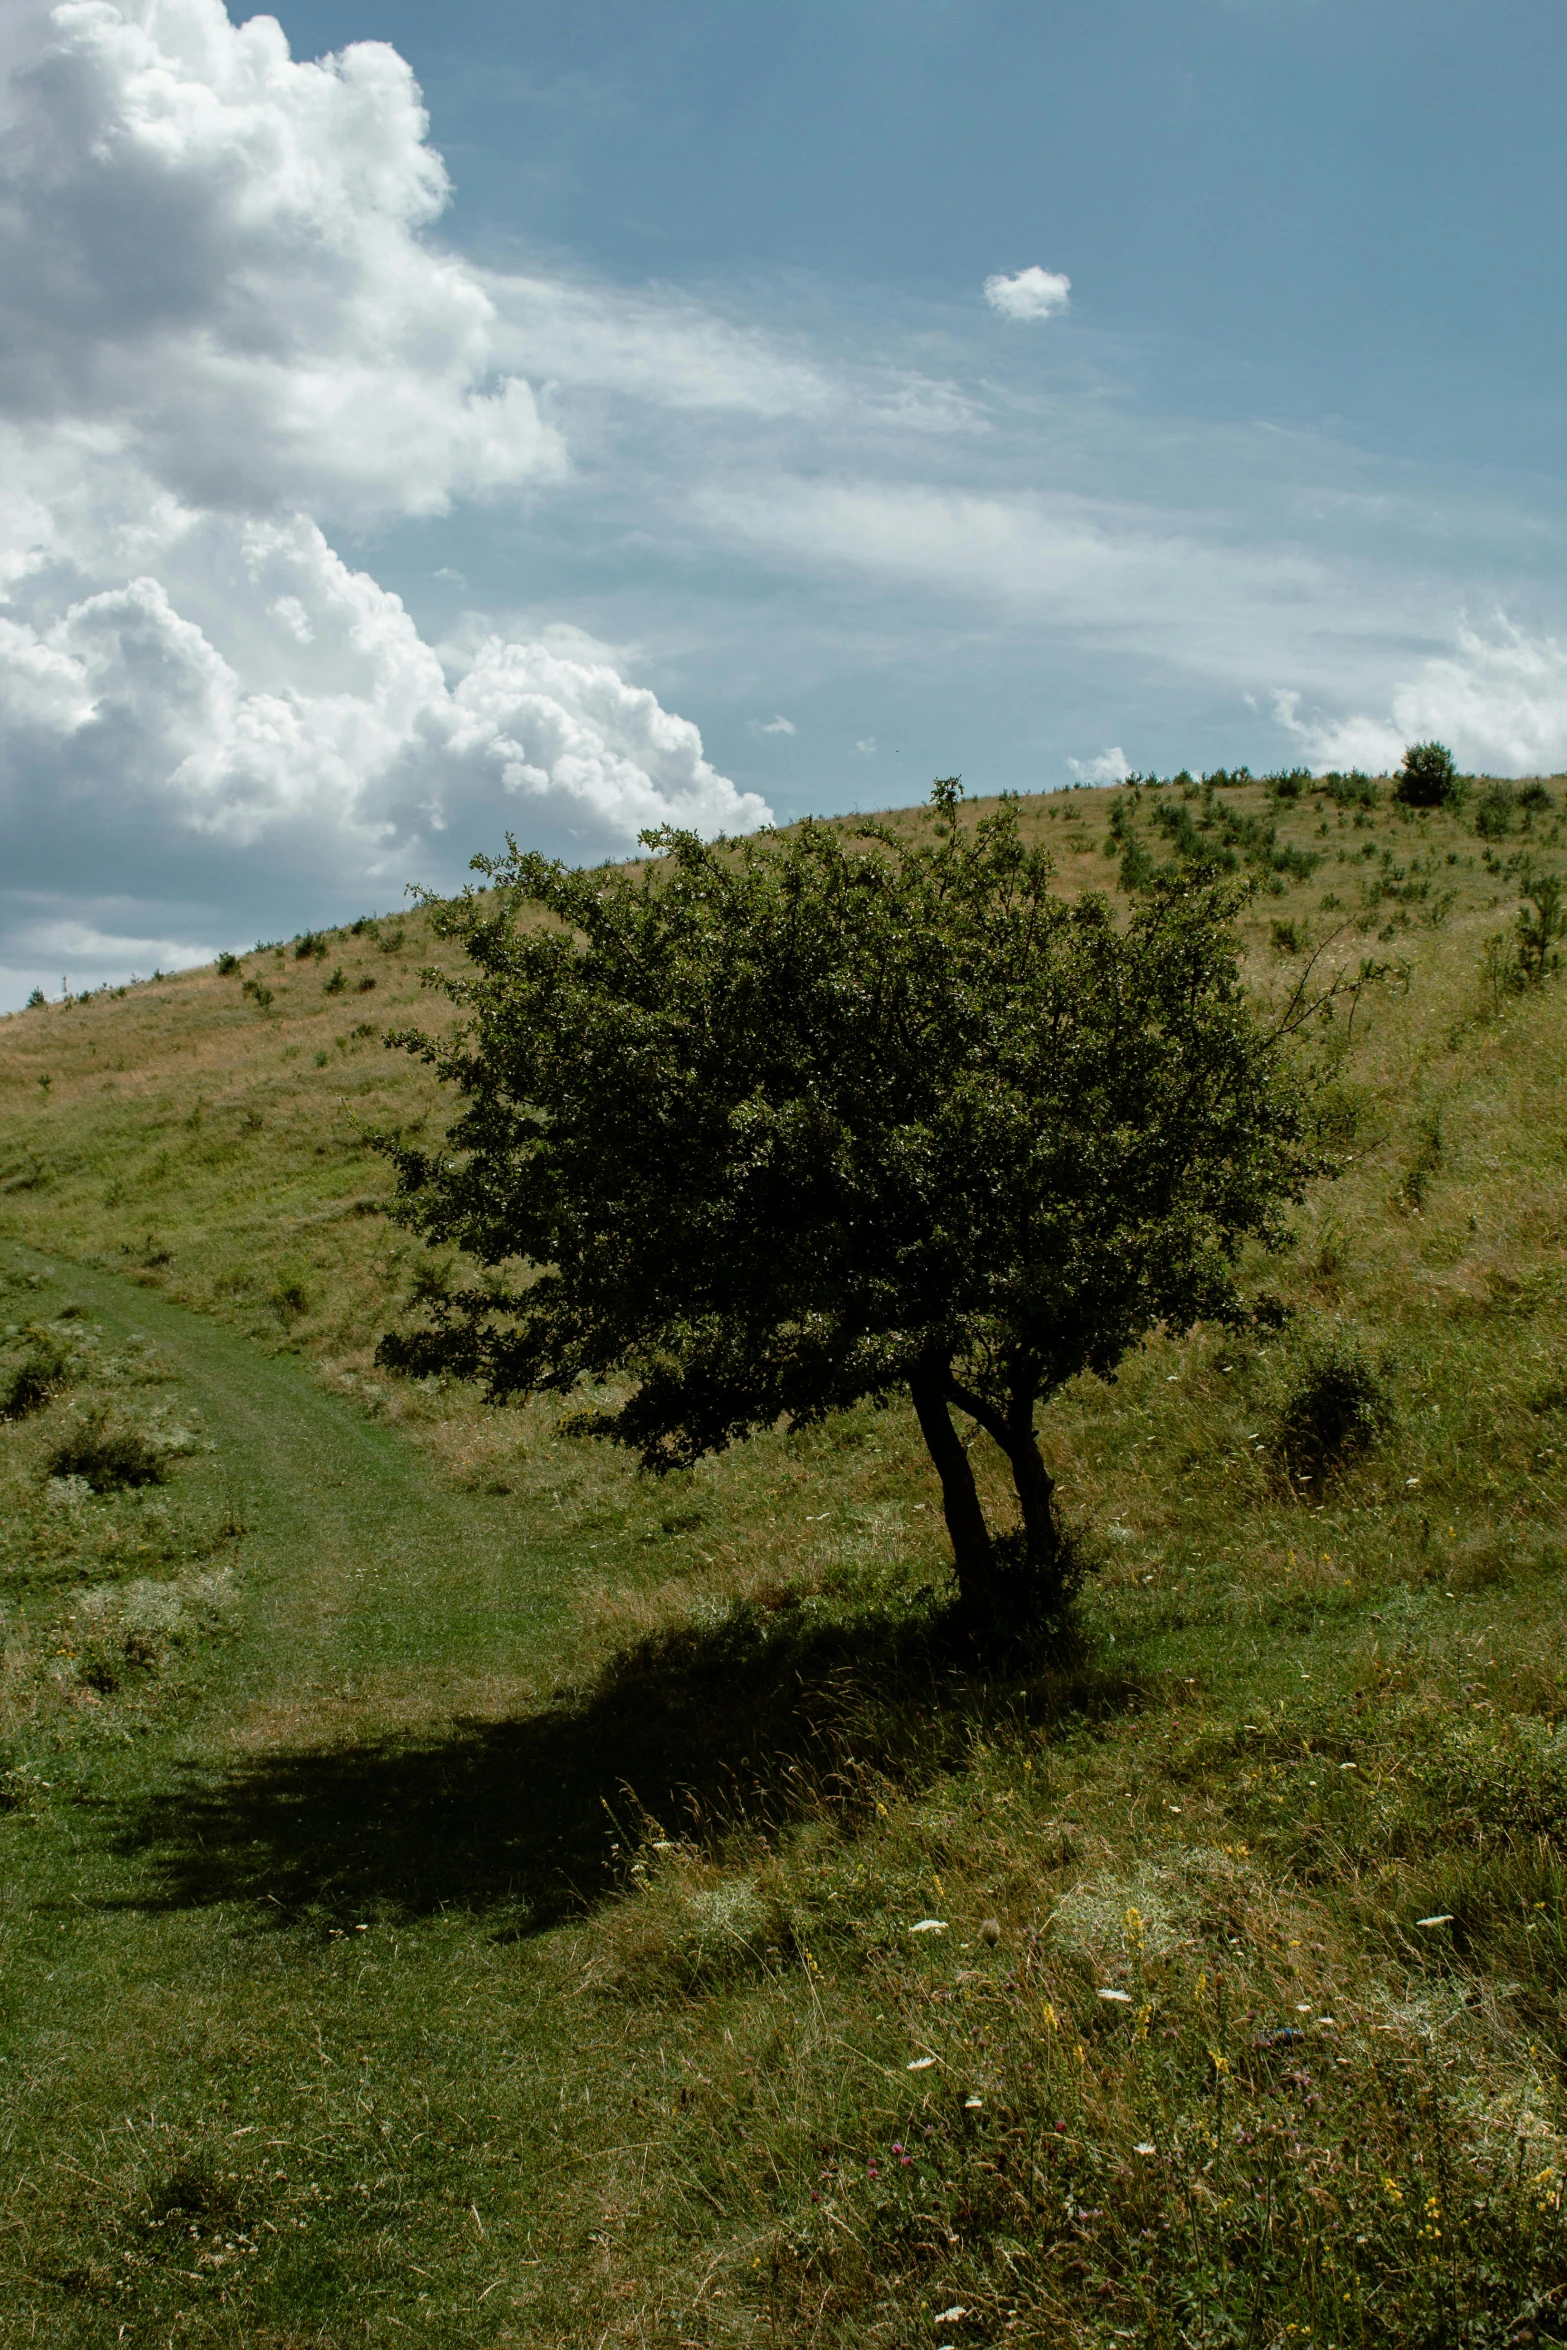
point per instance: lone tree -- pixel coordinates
(1428, 778)
(776, 1125)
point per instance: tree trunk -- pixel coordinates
(1042, 1553)
(1014, 1585)
(971, 1546)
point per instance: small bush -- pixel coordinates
(1535, 799)
(36, 1000)
(1428, 778)
(1339, 1407)
(1415, 1188)
(108, 1459)
(1288, 938)
(227, 964)
(366, 983)
(1541, 925)
(289, 1294)
(336, 984)
(262, 996)
(1494, 813)
(1291, 783)
(310, 944)
(1353, 790)
(27, 1385)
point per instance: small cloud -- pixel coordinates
(1033, 293)
(777, 725)
(1111, 766)
(866, 745)
(452, 578)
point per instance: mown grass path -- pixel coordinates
(291, 1976)
(357, 1563)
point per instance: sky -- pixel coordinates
(418, 425)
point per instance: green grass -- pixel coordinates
(456, 1887)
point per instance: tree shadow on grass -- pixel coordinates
(746, 1719)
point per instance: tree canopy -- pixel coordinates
(764, 1128)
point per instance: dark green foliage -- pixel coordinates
(1542, 924)
(1415, 1188)
(336, 984)
(309, 945)
(1428, 778)
(260, 994)
(1353, 790)
(1137, 867)
(1494, 812)
(780, 1125)
(1339, 1407)
(289, 1294)
(27, 1383)
(36, 1000)
(227, 964)
(1535, 800)
(110, 1459)
(366, 982)
(1290, 783)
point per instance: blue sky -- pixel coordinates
(1339, 227)
(679, 411)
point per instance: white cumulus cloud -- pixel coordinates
(225, 331)
(1032, 293)
(779, 725)
(1111, 766)
(1498, 701)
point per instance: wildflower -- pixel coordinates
(1052, 2020)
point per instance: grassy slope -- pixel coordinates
(642, 2072)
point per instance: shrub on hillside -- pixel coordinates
(1428, 778)
(1541, 926)
(1353, 790)
(27, 1383)
(108, 1459)
(1339, 1407)
(1494, 813)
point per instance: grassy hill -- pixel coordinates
(456, 1886)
